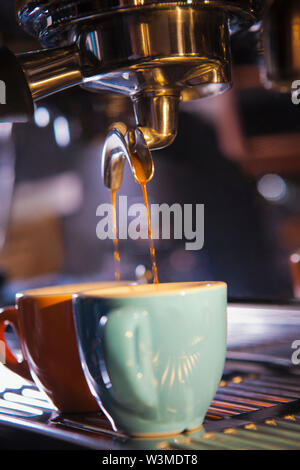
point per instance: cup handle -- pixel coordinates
(127, 358)
(9, 316)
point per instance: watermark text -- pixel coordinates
(178, 221)
(2, 92)
(296, 354)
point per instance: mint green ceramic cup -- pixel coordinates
(153, 355)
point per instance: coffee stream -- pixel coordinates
(140, 178)
(152, 248)
(116, 240)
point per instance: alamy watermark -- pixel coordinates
(2, 92)
(183, 221)
(295, 92)
(296, 354)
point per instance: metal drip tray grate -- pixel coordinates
(249, 411)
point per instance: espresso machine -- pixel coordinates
(156, 53)
(159, 54)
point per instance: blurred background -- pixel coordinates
(238, 154)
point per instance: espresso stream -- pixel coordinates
(141, 179)
(151, 243)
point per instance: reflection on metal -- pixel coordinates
(50, 71)
(290, 417)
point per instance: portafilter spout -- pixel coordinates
(121, 145)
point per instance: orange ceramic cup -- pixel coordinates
(43, 321)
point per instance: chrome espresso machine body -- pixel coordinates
(156, 52)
